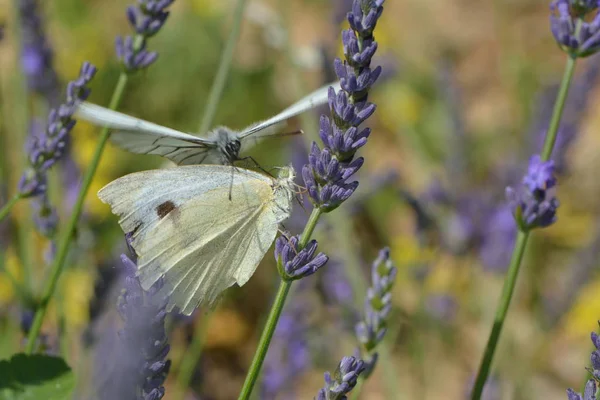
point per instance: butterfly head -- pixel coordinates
(232, 150)
(228, 142)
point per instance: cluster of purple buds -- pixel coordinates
(378, 304)
(294, 263)
(343, 381)
(326, 174)
(36, 53)
(591, 386)
(575, 27)
(534, 204)
(143, 338)
(146, 18)
(47, 147)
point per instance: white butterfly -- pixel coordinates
(221, 146)
(184, 230)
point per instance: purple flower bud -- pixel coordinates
(45, 148)
(534, 203)
(588, 394)
(343, 381)
(572, 30)
(378, 303)
(142, 369)
(328, 168)
(294, 262)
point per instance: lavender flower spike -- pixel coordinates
(36, 53)
(378, 303)
(328, 170)
(345, 378)
(591, 387)
(294, 263)
(534, 203)
(147, 18)
(573, 33)
(142, 368)
(47, 147)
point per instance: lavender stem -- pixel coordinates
(269, 329)
(5, 210)
(521, 242)
(558, 109)
(226, 57)
(69, 232)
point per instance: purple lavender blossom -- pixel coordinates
(575, 35)
(288, 355)
(378, 304)
(36, 53)
(294, 263)
(328, 170)
(534, 204)
(343, 381)
(48, 147)
(147, 18)
(143, 344)
(591, 387)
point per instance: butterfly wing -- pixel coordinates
(271, 125)
(185, 229)
(143, 137)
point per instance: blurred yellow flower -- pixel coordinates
(583, 317)
(12, 265)
(77, 290)
(402, 105)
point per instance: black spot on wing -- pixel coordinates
(165, 208)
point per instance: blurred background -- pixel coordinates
(464, 100)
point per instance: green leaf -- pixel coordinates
(35, 377)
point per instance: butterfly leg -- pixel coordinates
(256, 164)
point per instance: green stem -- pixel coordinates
(519, 249)
(269, 329)
(68, 234)
(191, 357)
(226, 57)
(501, 311)
(559, 105)
(265, 339)
(5, 210)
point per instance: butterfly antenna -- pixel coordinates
(281, 134)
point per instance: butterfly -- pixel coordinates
(185, 234)
(221, 146)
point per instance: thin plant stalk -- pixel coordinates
(191, 357)
(521, 242)
(69, 232)
(226, 57)
(274, 314)
(5, 210)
